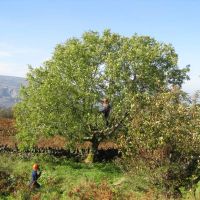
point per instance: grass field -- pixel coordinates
(69, 180)
(66, 179)
(60, 178)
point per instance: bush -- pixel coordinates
(10, 184)
(164, 133)
(90, 190)
(102, 191)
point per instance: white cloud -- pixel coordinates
(14, 60)
(12, 69)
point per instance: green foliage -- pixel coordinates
(167, 118)
(164, 131)
(61, 96)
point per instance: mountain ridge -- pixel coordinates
(9, 90)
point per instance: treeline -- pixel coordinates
(6, 112)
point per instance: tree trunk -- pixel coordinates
(98, 136)
(92, 156)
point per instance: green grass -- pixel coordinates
(59, 176)
(68, 180)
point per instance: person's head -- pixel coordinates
(105, 100)
(35, 167)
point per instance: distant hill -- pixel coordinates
(9, 90)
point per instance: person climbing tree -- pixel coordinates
(106, 108)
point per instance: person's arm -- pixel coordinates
(39, 174)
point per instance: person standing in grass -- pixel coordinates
(36, 173)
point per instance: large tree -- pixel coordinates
(63, 95)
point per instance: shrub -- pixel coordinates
(164, 132)
(90, 190)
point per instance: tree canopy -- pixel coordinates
(62, 96)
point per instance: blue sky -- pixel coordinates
(29, 30)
